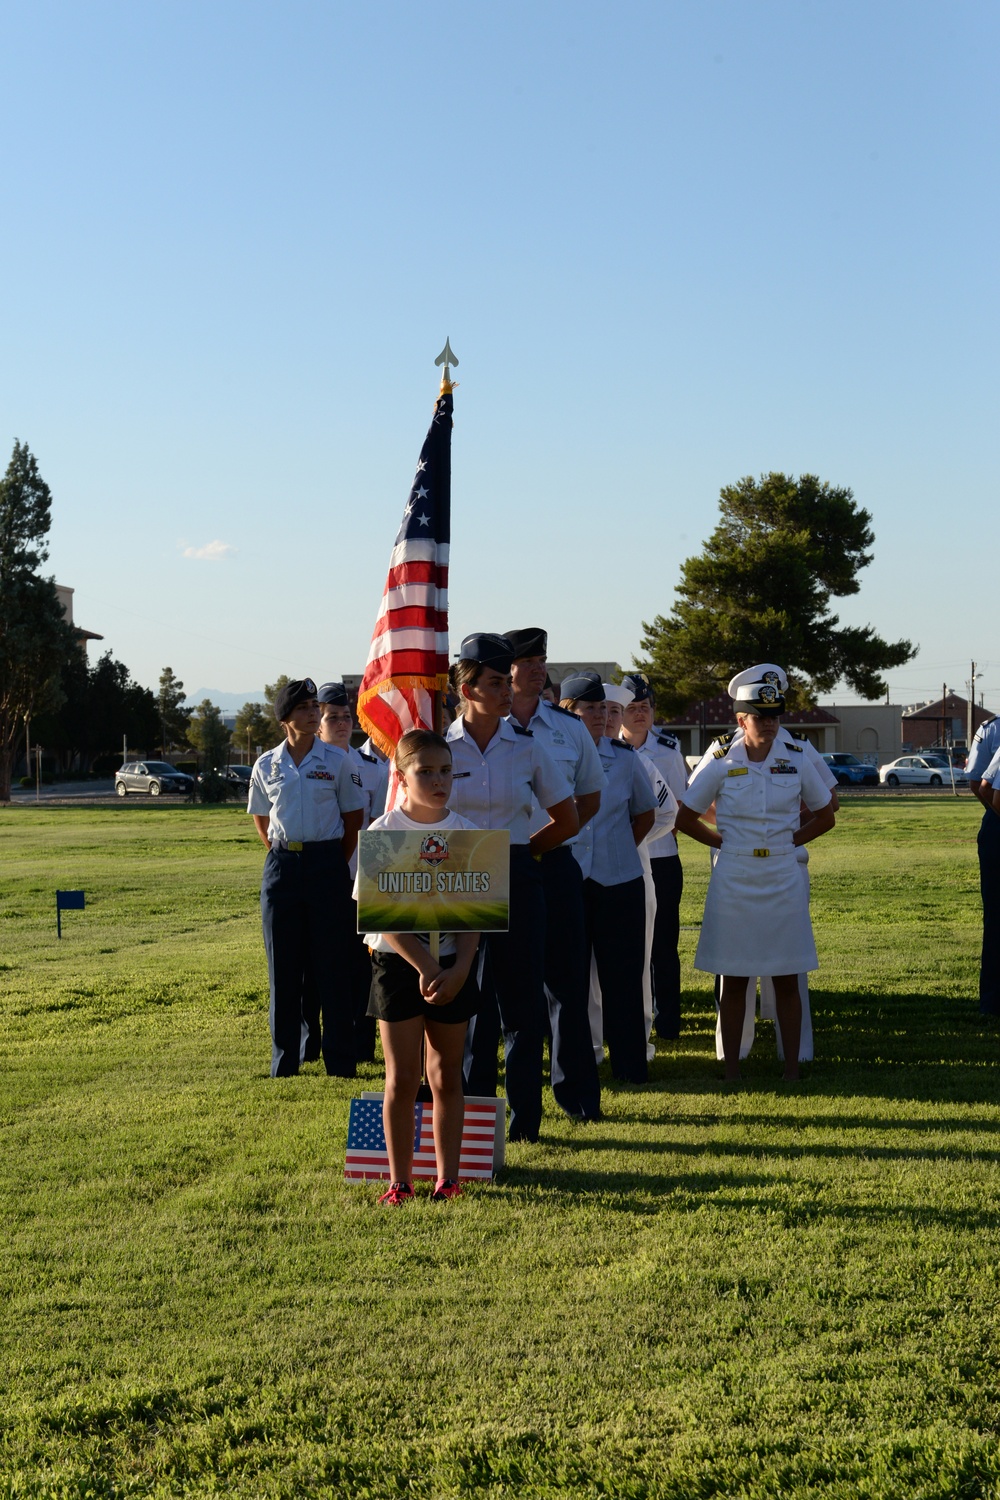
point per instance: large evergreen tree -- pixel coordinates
(209, 735)
(761, 591)
(34, 638)
(173, 719)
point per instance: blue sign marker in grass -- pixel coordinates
(67, 901)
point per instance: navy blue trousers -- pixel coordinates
(575, 1081)
(616, 935)
(989, 884)
(512, 970)
(668, 882)
(308, 919)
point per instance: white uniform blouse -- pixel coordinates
(757, 802)
(494, 787)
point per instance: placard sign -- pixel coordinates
(433, 881)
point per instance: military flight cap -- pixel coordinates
(529, 642)
(616, 694)
(758, 698)
(639, 686)
(293, 693)
(333, 692)
(493, 651)
(587, 687)
(764, 671)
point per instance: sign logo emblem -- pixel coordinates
(434, 848)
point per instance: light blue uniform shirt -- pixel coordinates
(606, 847)
(571, 745)
(494, 788)
(664, 760)
(992, 771)
(984, 748)
(304, 802)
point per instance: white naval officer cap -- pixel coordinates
(615, 693)
(764, 671)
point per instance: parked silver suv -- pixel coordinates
(152, 776)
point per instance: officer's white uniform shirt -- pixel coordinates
(661, 752)
(304, 802)
(494, 787)
(571, 745)
(757, 802)
(985, 745)
(606, 846)
(808, 749)
(374, 782)
(374, 775)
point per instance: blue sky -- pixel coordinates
(672, 244)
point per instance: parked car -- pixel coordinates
(921, 770)
(237, 778)
(850, 771)
(152, 776)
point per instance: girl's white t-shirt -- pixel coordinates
(397, 819)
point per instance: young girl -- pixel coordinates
(418, 999)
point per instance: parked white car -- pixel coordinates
(920, 770)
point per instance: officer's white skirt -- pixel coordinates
(756, 918)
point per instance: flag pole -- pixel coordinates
(446, 358)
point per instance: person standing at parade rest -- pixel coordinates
(662, 751)
(575, 1082)
(981, 771)
(757, 910)
(614, 891)
(769, 671)
(498, 769)
(306, 802)
(336, 726)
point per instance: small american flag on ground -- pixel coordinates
(408, 657)
(367, 1159)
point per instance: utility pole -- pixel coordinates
(973, 675)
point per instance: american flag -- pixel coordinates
(408, 658)
(368, 1160)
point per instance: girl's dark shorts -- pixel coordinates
(395, 992)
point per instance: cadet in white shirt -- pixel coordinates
(981, 770)
(757, 910)
(499, 772)
(575, 1082)
(306, 803)
(662, 751)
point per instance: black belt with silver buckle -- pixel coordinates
(294, 846)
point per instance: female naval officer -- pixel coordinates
(306, 802)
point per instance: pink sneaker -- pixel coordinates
(397, 1193)
(444, 1188)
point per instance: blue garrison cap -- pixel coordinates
(493, 651)
(640, 687)
(586, 686)
(333, 692)
(530, 642)
(294, 692)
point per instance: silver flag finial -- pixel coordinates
(446, 357)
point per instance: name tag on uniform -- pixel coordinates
(739, 771)
(457, 775)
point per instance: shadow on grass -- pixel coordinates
(891, 1046)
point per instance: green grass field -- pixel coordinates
(783, 1290)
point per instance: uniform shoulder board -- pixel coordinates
(725, 740)
(520, 729)
(373, 759)
(797, 748)
(623, 745)
(669, 741)
(721, 753)
(558, 709)
(797, 734)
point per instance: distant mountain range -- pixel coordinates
(230, 703)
